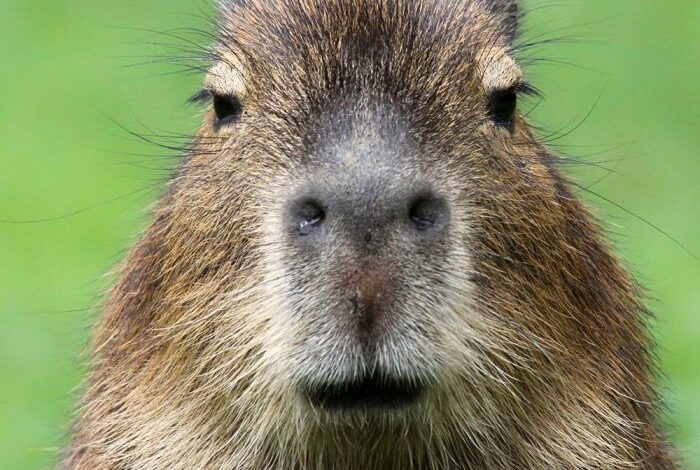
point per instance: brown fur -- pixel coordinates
(552, 365)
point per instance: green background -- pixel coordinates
(69, 82)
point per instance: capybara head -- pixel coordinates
(350, 142)
(368, 260)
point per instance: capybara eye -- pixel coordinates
(227, 108)
(502, 105)
(310, 215)
(425, 212)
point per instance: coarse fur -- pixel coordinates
(528, 334)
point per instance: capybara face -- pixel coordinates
(368, 261)
(355, 137)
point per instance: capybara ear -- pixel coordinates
(508, 14)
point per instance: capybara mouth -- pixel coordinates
(370, 392)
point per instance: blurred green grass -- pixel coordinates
(65, 80)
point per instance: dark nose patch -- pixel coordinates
(368, 209)
(368, 216)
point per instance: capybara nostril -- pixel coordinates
(307, 216)
(427, 211)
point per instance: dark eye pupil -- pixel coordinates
(227, 109)
(502, 105)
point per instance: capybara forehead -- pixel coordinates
(401, 40)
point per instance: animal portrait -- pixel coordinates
(370, 255)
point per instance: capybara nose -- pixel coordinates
(368, 213)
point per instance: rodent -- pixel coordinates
(368, 260)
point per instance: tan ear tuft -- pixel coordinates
(499, 70)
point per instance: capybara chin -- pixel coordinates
(369, 261)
